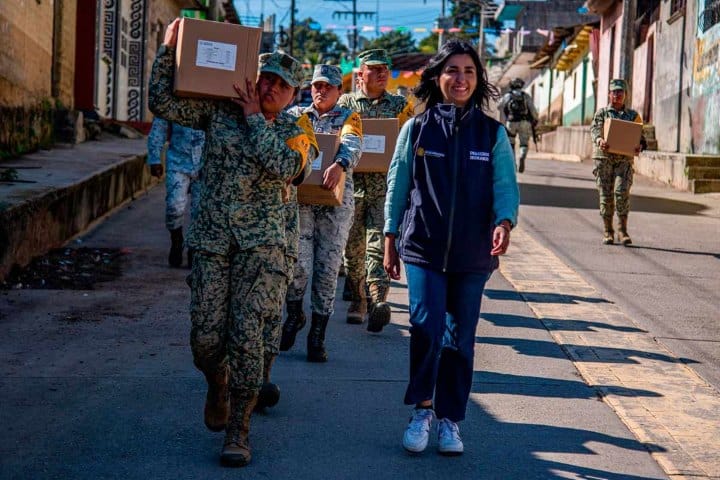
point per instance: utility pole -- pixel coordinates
(292, 26)
(354, 13)
(627, 49)
(441, 26)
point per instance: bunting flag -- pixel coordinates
(387, 29)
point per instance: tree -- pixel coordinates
(394, 42)
(315, 45)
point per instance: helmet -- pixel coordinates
(517, 83)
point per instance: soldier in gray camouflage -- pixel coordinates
(613, 172)
(252, 150)
(323, 229)
(365, 247)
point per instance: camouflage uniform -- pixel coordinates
(183, 161)
(365, 246)
(519, 127)
(324, 229)
(613, 172)
(239, 234)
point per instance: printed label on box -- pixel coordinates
(216, 55)
(317, 163)
(374, 143)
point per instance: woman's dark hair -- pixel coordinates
(428, 90)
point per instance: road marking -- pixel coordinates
(661, 400)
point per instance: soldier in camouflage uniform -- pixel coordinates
(365, 248)
(323, 229)
(183, 160)
(613, 172)
(252, 150)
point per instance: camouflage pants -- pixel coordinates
(323, 235)
(231, 296)
(522, 129)
(272, 326)
(177, 187)
(366, 243)
(614, 177)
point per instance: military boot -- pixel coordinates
(521, 160)
(358, 302)
(316, 339)
(379, 310)
(347, 294)
(175, 257)
(189, 258)
(294, 322)
(217, 409)
(236, 447)
(608, 232)
(623, 236)
(269, 394)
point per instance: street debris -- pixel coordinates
(68, 269)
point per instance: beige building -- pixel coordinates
(92, 56)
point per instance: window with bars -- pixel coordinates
(676, 6)
(709, 16)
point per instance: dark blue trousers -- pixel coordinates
(444, 312)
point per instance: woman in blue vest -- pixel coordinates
(453, 194)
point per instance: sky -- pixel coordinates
(413, 14)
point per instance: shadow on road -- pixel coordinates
(554, 324)
(587, 198)
(672, 250)
(586, 353)
(505, 383)
(540, 297)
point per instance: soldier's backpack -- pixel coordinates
(516, 108)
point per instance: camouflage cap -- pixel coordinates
(618, 84)
(328, 74)
(377, 56)
(282, 65)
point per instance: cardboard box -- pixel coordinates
(379, 139)
(311, 191)
(211, 56)
(622, 136)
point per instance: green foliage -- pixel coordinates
(316, 46)
(429, 44)
(394, 42)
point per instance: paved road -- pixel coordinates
(100, 384)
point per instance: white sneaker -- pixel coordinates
(449, 441)
(417, 433)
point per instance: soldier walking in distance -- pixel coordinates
(614, 172)
(183, 160)
(365, 249)
(323, 229)
(253, 149)
(520, 115)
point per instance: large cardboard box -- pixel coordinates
(311, 191)
(622, 136)
(211, 56)
(379, 139)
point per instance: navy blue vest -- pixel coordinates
(449, 224)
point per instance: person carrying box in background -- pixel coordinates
(323, 229)
(614, 172)
(365, 248)
(183, 160)
(252, 150)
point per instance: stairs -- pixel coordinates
(703, 173)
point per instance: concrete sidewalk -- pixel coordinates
(63, 191)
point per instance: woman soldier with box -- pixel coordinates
(252, 150)
(323, 229)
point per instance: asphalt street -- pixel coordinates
(100, 383)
